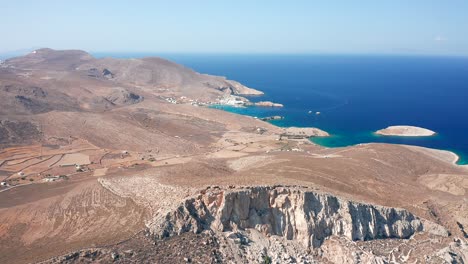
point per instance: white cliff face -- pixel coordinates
(233, 100)
(292, 213)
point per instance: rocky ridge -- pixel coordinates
(292, 213)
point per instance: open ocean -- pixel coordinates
(356, 95)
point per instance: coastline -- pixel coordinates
(449, 155)
(277, 88)
(241, 100)
(440, 154)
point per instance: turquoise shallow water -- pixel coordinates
(339, 138)
(356, 94)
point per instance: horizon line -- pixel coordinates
(11, 54)
(279, 53)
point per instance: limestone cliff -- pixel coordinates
(293, 213)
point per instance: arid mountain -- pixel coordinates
(78, 76)
(112, 160)
(49, 59)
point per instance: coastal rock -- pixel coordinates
(268, 118)
(233, 100)
(405, 131)
(303, 132)
(291, 213)
(267, 104)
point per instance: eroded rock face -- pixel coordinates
(293, 213)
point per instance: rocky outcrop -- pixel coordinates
(240, 101)
(108, 74)
(268, 118)
(28, 90)
(303, 132)
(31, 105)
(233, 100)
(237, 88)
(455, 252)
(292, 213)
(121, 96)
(266, 104)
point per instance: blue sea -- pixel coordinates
(355, 94)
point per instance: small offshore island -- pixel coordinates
(405, 131)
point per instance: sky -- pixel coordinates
(241, 26)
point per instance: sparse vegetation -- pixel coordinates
(266, 259)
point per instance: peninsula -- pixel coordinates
(304, 132)
(405, 131)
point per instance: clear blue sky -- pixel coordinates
(238, 26)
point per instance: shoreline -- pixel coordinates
(454, 160)
(437, 153)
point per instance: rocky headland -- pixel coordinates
(303, 132)
(240, 101)
(266, 104)
(269, 118)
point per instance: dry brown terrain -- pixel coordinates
(96, 154)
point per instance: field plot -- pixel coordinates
(74, 158)
(48, 163)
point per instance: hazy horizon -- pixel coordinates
(241, 27)
(139, 54)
